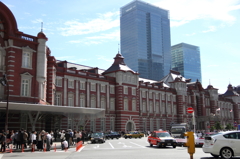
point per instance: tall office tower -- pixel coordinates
(145, 39)
(186, 60)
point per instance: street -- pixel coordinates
(117, 149)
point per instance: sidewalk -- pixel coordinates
(55, 146)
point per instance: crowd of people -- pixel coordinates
(40, 140)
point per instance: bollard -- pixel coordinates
(55, 148)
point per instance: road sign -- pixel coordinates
(190, 110)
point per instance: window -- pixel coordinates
(157, 96)
(82, 85)
(70, 84)
(133, 91)
(26, 60)
(151, 107)
(143, 94)
(58, 82)
(112, 91)
(150, 95)
(82, 100)
(93, 86)
(125, 90)
(125, 103)
(71, 100)
(112, 124)
(93, 102)
(58, 99)
(2, 60)
(157, 107)
(103, 88)
(112, 104)
(144, 106)
(26, 80)
(134, 105)
(103, 103)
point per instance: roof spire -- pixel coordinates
(41, 26)
(118, 47)
(209, 82)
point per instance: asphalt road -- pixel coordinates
(114, 149)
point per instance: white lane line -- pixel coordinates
(111, 145)
(138, 145)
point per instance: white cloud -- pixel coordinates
(102, 38)
(37, 20)
(99, 57)
(104, 22)
(183, 11)
(211, 29)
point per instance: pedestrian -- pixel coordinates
(34, 140)
(3, 142)
(64, 144)
(25, 137)
(48, 141)
(40, 140)
(67, 137)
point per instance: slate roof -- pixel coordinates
(118, 65)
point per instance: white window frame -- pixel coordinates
(112, 103)
(58, 99)
(58, 81)
(103, 87)
(82, 100)
(93, 86)
(112, 90)
(82, 85)
(70, 83)
(27, 59)
(93, 102)
(134, 105)
(71, 99)
(125, 102)
(26, 83)
(103, 105)
(125, 90)
(133, 91)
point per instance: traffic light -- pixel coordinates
(190, 143)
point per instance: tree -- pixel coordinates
(218, 126)
(229, 126)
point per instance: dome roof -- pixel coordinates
(41, 35)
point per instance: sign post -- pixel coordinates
(191, 111)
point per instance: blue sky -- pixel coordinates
(88, 33)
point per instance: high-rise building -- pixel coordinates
(186, 60)
(145, 39)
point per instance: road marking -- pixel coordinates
(126, 146)
(1, 155)
(138, 145)
(97, 146)
(111, 145)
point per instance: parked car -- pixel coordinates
(224, 144)
(112, 135)
(133, 134)
(161, 139)
(97, 137)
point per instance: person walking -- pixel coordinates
(48, 141)
(3, 142)
(34, 140)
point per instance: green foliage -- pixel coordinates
(212, 128)
(229, 127)
(218, 126)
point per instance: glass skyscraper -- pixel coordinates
(186, 60)
(145, 39)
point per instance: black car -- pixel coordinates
(112, 135)
(98, 137)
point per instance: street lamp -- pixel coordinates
(4, 82)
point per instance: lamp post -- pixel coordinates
(4, 82)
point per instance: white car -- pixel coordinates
(224, 144)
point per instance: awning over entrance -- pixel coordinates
(77, 114)
(65, 110)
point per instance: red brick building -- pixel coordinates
(36, 77)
